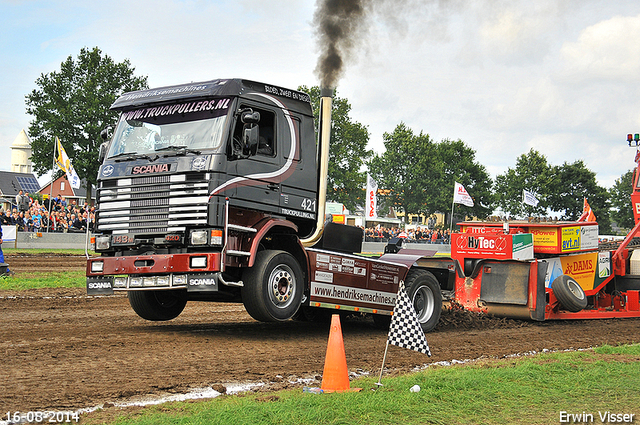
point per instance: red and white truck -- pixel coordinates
(215, 191)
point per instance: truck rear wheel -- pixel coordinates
(273, 287)
(424, 292)
(158, 305)
(569, 293)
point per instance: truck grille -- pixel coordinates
(152, 205)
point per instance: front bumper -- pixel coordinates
(193, 271)
(154, 264)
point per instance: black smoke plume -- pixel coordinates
(343, 28)
(338, 25)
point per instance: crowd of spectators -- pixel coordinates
(29, 215)
(417, 235)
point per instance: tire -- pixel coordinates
(158, 305)
(569, 293)
(424, 292)
(273, 287)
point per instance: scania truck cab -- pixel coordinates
(198, 183)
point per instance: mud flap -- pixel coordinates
(202, 282)
(100, 285)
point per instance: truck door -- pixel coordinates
(258, 176)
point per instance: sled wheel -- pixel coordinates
(424, 291)
(569, 293)
(158, 305)
(272, 290)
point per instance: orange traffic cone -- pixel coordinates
(335, 377)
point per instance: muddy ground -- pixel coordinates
(60, 349)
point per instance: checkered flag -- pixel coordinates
(405, 330)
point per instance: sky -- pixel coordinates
(557, 76)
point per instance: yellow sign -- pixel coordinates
(570, 239)
(338, 218)
(582, 268)
(545, 236)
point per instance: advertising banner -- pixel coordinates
(497, 246)
(372, 200)
(9, 233)
(589, 269)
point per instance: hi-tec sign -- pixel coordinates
(517, 247)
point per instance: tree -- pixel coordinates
(458, 164)
(73, 104)
(401, 170)
(573, 183)
(420, 174)
(532, 173)
(348, 151)
(559, 189)
(622, 212)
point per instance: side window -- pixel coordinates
(296, 129)
(266, 142)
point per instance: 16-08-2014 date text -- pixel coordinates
(44, 416)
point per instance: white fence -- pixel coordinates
(25, 240)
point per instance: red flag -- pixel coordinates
(587, 213)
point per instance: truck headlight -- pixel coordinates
(179, 280)
(103, 242)
(198, 262)
(97, 266)
(199, 237)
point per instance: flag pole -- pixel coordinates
(86, 240)
(53, 172)
(451, 222)
(384, 358)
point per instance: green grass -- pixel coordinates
(35, 279)
(67, 279)
(531, 390)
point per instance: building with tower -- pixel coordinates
(21, 176)
(20, 153)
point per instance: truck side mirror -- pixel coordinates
(250, 136)
(106, 133)
(250, 117)
(104, 147)
(102, 153)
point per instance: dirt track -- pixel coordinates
(60, 349)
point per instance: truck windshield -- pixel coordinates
(163, 128)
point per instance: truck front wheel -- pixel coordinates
(273, 287)
(424, 291)
(158, 305)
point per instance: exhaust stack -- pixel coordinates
(324, 134)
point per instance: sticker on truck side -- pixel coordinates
(341, 294)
